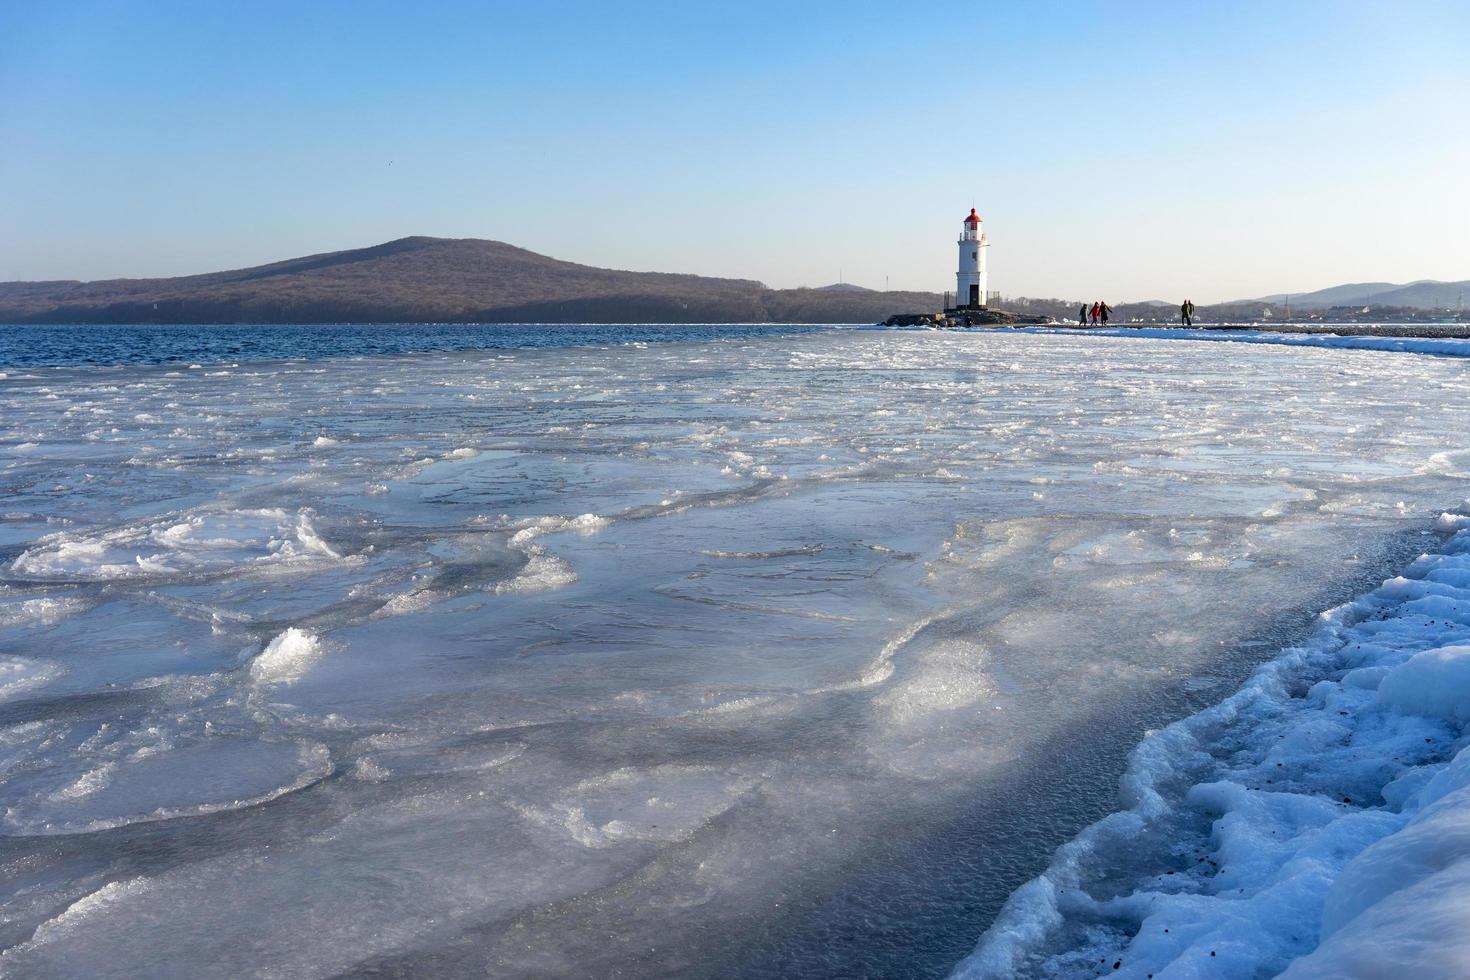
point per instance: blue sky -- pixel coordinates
(1123, 150)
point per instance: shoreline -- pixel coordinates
(1407, 330)
(1319, 806)
(1443, 346)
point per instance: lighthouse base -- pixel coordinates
(966, 316)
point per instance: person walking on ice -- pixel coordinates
(1186, 313)
(1082, 315)
(1096, 312)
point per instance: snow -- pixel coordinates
(1432, 682)
(1324, 824)
(1440, 346)
(744, 643)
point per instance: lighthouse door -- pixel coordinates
(974, 295)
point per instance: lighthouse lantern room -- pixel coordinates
(970, 281)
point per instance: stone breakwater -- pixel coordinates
(965, 318)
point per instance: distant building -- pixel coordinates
(970, 282)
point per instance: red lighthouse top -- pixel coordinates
(973, 219)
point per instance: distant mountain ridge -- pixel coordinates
(471, 280)
(423, 279)
(1423, 294)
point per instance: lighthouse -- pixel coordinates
(970, 280)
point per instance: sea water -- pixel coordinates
(733, 653)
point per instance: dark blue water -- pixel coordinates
(51, 345)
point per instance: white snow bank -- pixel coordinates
(1317, 822)
(1402, 907)
(1441, 346)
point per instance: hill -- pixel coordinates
(1425, 294)
(437, 280)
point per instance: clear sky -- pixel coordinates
(1129, 150)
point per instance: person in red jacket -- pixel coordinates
(1096, 312)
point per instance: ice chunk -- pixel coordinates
(1402, 907)
(286, 658)
(543, 571)
(1432, 682)
(43, 611)
(1452, 522)
(210, 776)
(19, 675)
(664, 803)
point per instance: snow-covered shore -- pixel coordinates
(1316, 822)
(1440, 346)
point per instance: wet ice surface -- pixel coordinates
(756, 656)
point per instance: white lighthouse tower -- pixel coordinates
(970, 281)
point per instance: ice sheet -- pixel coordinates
(686, 659)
